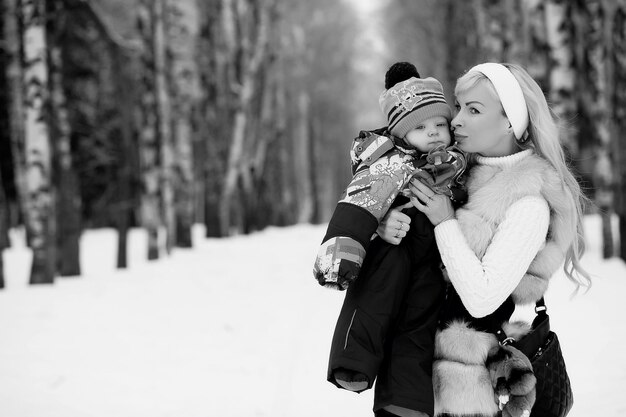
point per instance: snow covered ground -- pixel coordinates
(235, 327)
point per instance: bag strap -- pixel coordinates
(540, 310)
(540, 307)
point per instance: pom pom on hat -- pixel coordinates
(400, 71)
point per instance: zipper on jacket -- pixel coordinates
(345, 345)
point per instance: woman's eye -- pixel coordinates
(473, 110)
(457, 106)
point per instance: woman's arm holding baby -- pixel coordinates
(483, 284)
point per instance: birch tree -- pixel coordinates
(248, 20)
(40, 198)
(164, 119)
(181, 31)
(150, 147)
(15, 99)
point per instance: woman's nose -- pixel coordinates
(456, 122)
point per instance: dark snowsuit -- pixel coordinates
(386, 327)
(387, 324)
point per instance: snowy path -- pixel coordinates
(234, 328)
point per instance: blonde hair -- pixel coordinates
(543, 138)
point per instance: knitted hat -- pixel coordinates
(410, 102)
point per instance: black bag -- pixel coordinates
(542, 347)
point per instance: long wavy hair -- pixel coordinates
(544, 139)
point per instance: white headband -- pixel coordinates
(510, 93)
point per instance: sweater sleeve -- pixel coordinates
(484, 284)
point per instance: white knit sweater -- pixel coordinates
(484, 284)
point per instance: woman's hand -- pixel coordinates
(394, 225)
(437, 207)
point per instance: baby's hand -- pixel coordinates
(395, 225)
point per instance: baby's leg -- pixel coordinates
(370, 308)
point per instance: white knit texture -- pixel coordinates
(484, 284)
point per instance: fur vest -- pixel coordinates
(461, 381)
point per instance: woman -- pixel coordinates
(522, 220)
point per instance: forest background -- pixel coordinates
(238, 114)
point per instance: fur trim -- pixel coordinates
(514, 382)
(463, 389)
(533, 284)
(460, 343)
(487, 206)
(516, 329)
(461, 382)
(530, 289)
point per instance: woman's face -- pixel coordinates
(480, 125)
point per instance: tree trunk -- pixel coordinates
(562, 75)
(286, 171)
(260, 210)
(233, 165)
(124, 91)
(148, 133)
(214, 115)
(597, 104)
(40, 200)
(233, 171)
(622, 234)
(515, 31)
(199, 156)
(252, 55)
(184, 77)
(68, 208)
(538, 62)
(462, 47)
(303, 161)
(4, 228)
(618, 106)
(164, 122)
(490, 29)
(15, 82)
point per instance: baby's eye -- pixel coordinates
(442, 124)
(420, 127)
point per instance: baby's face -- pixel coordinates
(429, 134)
